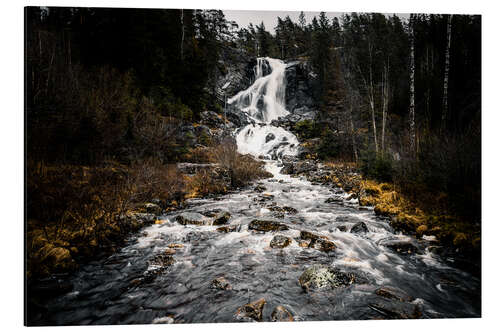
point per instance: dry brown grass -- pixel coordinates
(74, 211)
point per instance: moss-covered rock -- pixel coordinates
(320, 276)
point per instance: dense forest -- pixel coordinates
(401, 98)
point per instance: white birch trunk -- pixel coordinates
(412, 87)
(372, 100)
(353, 138)
(446, 74)
(385, 102)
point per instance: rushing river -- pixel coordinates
(106, 291)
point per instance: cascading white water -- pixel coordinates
(264, 101)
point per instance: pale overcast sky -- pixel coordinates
(270, 18)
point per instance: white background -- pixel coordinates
(12, 153)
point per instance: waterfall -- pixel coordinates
(264, 101)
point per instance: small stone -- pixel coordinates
(222, 218)
(262, 225)
(170, 251)
(251, 311)
(280, 313)
(280, 241)
(175, 246)
(226, 229)
(220, 283)
(270, 137)
(359, 227)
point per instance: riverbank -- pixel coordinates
(424, 218)
(283, 241)
(77, 213)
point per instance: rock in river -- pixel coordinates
(402, 246)
(359, 227)
(320, 276)
(228, 228)
(263, 225)
(192, 218)
(393, 293)
(280, 241)
(280, 313)
(318, 242)
(251, 311)
(222, 218)
(220, 283)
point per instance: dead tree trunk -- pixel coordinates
(446, 75)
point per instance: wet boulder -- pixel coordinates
(260, 188)
(265, 225)
(251, 311)
(334, 199)
(228, 228)
(222, 218)
(391, 310)
(264, 197)
(359, 228)
(342, 228)
(394, 294)
(280, 313)
(211, 213)
(284, 209)
(401, 246)
(192, 218)
(323, 245)
(220, 283)
(318, 242)
(270, 137)
(280, 241)
(321, 276)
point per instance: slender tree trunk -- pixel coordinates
(182, 36)
(372, 101)
(412, 87)
(385, 102)
(446, 74)
(353, 137)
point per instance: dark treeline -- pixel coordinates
(105, 82)
(364, 65)
(112, 83)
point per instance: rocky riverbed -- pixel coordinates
(283, 249)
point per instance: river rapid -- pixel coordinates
(132, 287)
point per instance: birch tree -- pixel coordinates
(412, 85)
(446, 74)
(385, 101)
